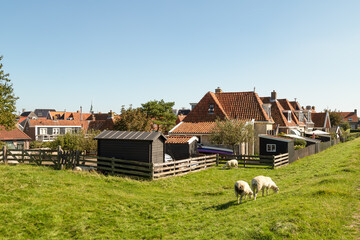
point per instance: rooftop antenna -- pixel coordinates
(254, 89)
(295, 99)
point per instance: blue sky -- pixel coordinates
(67, 54)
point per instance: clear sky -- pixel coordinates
(67, 54)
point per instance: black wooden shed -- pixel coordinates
(274, 145)
(147, 147)
(181, 147)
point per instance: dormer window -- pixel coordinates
(350, 119)
(211, 108)
(289, 116)
(301, 116)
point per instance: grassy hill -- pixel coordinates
(319, 198)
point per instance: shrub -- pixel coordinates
(300, 142)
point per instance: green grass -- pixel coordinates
(319, 198)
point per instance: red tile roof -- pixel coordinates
(228, 105)
(347, 115)
(178, 139)
(194, 128)
(48, 122)
(288, 106)
(180, 118)
(319, 120)
(277, 113)
(14, 134)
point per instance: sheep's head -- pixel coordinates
(275, 188)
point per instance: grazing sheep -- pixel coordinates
(262, 183)
(83, 168)
(242, 188)
(231, 163)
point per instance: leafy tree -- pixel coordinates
(7, 100)
(76, 141)
(345, 125)
(335, 118)
(232, 132)
(160, 112)
(133, 119)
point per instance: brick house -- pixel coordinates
(15, 138)
(351, 118)
(245, 106)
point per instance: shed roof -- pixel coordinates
(127, 135)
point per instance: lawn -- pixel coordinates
(319, 198)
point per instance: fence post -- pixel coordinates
(4, 155)
(59, 154)
(217, 159)
(151, 171)
(112, 166)
(273, 157)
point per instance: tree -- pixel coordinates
(133, 119)
(7, 100)
(80, 141)
(232, 132)
(161, 114)
(345, 125)
(335, 118)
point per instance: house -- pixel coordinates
(245, 106)
(321, 121)
(284, 118)
(304, 114)
(147, 147)
(14, 139)
(351, 118)
(48, 130)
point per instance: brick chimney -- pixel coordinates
(110, 115)
(355, 111)
(313, 108)
(218, 90)
(273, 96)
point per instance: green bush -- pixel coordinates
(300, 142)
(296, 147)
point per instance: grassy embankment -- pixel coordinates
(319, 199)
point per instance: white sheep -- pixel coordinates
(231, 163)
(242, 188)
(261, 183)
(84, 168)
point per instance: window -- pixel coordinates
(350, 119)
(301, 116)
(43, 131)
(211, 108)
(271, 147)
(289, 116)
(56, 131)
(68, 130)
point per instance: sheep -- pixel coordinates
(242, 188)
(261, 183)
(84, 168)
(231, 163)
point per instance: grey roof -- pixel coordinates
(126, 135)
(43, 112)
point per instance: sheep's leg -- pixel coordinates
(241, 198)
(267, 191)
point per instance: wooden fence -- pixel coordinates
(181, 167)
(257, 161)
(71, 159)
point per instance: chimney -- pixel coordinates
(81, 113)
(308, 107)
(273, 96)
(110, 115)
(355, 111)
(313, 108)
(218, 90)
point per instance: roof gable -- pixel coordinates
(228, 105)
(200, 113)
